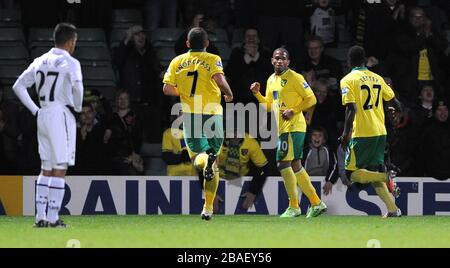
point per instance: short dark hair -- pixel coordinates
(87, 104)
(322, 130)
(356, 56)
(314, 38)
(197, 37)
(64, 32)
(283, 50)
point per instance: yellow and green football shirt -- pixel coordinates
(249, 150)
(173, 142)
(192, 73)
(287, 91)
(367, 91)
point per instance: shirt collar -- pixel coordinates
(56, 50)
(360, 69)
(197, 50)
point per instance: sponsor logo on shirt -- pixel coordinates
(275, 95)
(305, 85)
(344, 91)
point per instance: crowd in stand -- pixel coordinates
(406, 41)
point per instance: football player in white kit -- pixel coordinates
(58, 80)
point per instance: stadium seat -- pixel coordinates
(91, 37)
(10, 73)
(218, 36)
(116, 36)
(40, 37)
(165, 37)
(16, 55)
(10, 18)
(238, 38)
(153, 163)
(11, 37)
(38, 51)
(101, 78)
(124, 18)
(98, 76)
(165, 55)
(93, 56)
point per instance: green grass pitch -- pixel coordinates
(229, 232)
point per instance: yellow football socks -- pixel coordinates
(291, 186)
(304, 181)
(211, 189)
(364, 176)
(200, 161)
(383, 193)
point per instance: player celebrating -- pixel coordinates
(364, 137)
(198, 78)
(290, 95)
(58, 80)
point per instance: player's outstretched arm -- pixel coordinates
(170, 90)
(268, 100)
(224, 87)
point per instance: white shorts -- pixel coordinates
(57, 131)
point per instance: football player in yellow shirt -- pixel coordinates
(242, 156)
(364, 136)
(197, 78)
(175, 154)
(288, 95)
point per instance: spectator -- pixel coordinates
(160, 13)
(125, 138)
(92, 157)
(101, 106)
(219, 10)
(175, 153)
(323, 22)
(199, 20)
(419, 51)
(318, 160)
(422, 112)
(139, 68)
(383, 21)
(322, 65)
(326, 113)
(436, 147)
(248, 63)
(281, 24)
(403, 142)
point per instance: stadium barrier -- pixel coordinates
(182, 195)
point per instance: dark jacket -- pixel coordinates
(436, 150)
(405, 61)
(139, 74)
(241, 75)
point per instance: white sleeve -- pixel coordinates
(77, 85)
(25, 80)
